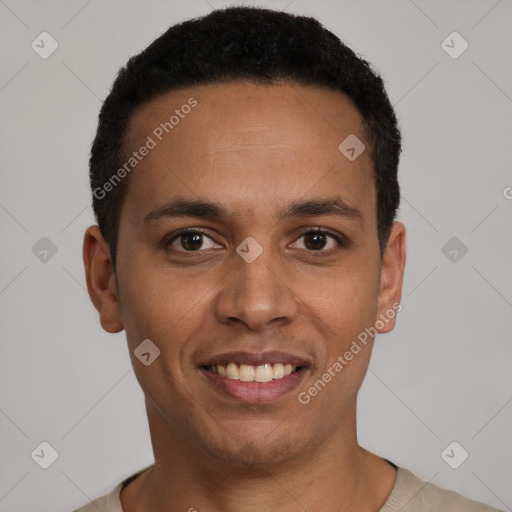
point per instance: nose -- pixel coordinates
(257, 294)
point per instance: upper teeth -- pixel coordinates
(248, 373)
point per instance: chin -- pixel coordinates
(262, 449)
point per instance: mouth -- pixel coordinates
(255, 378)
(249, 373)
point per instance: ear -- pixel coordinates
(101, 280)
(391, 278)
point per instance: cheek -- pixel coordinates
(165, 310)
(347, 299)
(343, 309)
(167, 306)
(152, 301)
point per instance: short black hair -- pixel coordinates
(244, 43)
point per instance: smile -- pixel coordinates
(250, 373)
(254, 377)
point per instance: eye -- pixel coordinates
(316, 240)
(189, 239)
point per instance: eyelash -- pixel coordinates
(341, 241)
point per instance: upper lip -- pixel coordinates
(255, 358)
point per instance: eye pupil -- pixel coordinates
(196, 238)
(318, 240)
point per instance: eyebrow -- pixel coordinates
(183, 207)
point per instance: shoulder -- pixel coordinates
(110, 502)
(411, 494)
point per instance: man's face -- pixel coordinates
(206, 299)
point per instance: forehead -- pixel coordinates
(249, 144)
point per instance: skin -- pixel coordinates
(255, 149)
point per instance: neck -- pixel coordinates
(333, 475)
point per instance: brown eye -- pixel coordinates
(188, 240)
(191, 241)
(317, 240)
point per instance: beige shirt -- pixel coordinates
(409, 494)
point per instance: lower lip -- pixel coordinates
(255, 392)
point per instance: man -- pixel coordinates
(244, 178)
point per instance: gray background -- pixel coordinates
(442, 375)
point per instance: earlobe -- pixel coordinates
(100, 278)
(391, 278)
